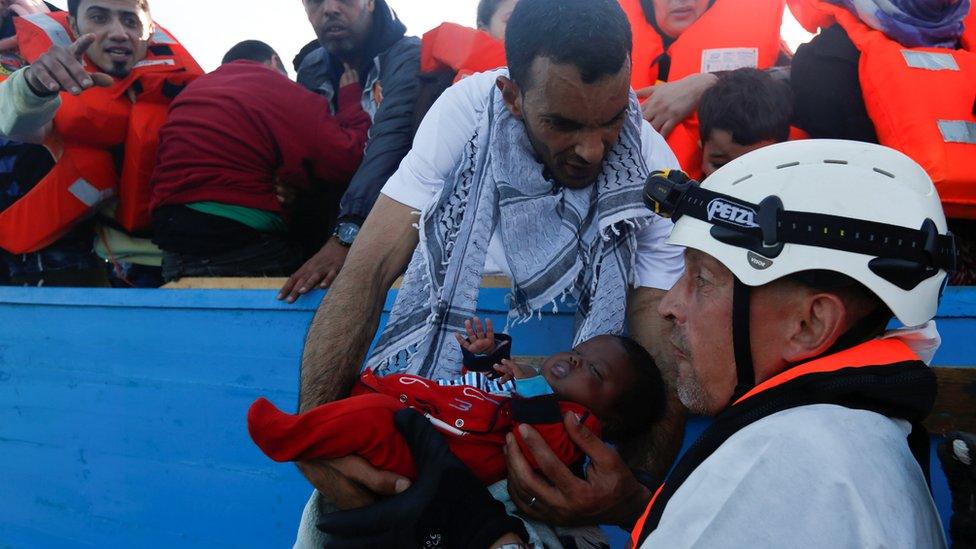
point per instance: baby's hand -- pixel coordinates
(509, 370)
(479, 341)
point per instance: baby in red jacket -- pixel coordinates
(610, 383)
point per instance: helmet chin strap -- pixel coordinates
(741, 342)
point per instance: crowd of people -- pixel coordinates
(561, 143)
(182, 195)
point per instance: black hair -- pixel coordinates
(250, 50)
(748, 104)
(73, 6)
(486, 10)
(642, 403)
(593, 35)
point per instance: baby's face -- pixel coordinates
(593, 374)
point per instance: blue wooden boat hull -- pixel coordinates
(122, 412)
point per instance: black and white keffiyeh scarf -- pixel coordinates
(558, 242)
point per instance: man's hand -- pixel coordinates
(62, 69)
(447, 506)
(24, 8)
(668, 104)
(319, 271)
(610, 494)
(351, 482)
(285, 193)
(509, 370)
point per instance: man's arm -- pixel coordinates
(389, 141)
(338, 338)
(346, 321)
(29, 98)
(655, 450)
(391, 135)
(25, 116)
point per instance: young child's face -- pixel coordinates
(720, 149)
(593, 374)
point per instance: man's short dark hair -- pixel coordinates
(486, 10)
(593, 35)
(73, 6)
(641, 404)
(250, 50)
(748, 104)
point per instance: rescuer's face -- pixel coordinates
(699, 309)
(572, 125)
(122, 29)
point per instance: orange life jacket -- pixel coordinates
(731, 34)
(87, 130)
(879, 356)
(921, 100)
(463, 50)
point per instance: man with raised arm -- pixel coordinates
(97, 89)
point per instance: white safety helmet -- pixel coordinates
(859, 209)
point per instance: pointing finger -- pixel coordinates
(81, 45)
(102, 80)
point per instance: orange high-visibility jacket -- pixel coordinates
(731, 34)
(464, 50)
(922, 101)
(106, 137)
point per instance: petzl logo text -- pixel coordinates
(759, 262)
(730, 212)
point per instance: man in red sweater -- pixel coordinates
(234, 138)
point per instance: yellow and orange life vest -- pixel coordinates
(732, 34)
(105, 139)
(922, 101)
(461, 49)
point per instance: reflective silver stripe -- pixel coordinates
(161, 37)
(88, 194)
(55, 32)
(930, 61)
(958, 131)
(154, 63)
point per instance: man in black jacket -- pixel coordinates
(365, 35)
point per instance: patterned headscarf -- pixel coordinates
(913, 23)
(558, 242)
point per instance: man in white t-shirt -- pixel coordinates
(535, 172)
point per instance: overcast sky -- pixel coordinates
(208, 28)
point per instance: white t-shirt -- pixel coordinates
(438, 148)
(810, 477)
